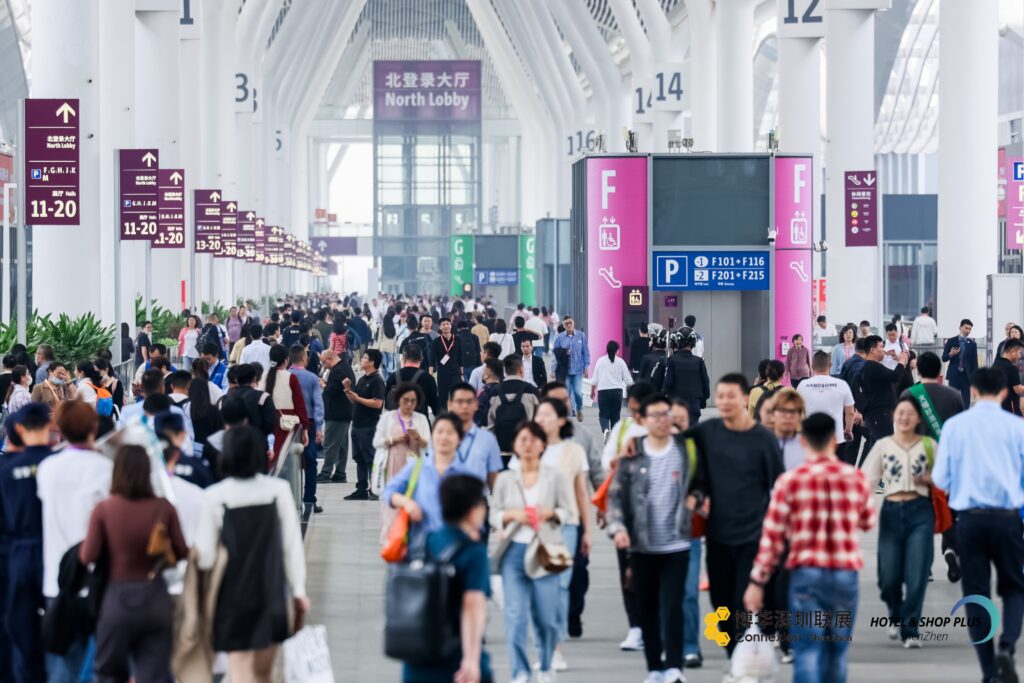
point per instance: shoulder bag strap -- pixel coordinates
(929, 450)
(410, 489)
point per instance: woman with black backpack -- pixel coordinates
(201, 408)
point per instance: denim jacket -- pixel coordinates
(627, 497)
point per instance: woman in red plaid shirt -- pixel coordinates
(824, 557)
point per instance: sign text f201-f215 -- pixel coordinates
(51, 147)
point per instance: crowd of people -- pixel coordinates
(465, 424)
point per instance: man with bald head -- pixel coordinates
(337, 416)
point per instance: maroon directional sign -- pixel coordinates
(138, 198)
(170, 209)
(261, 240)
(861, 208)
(207, 217)
(51, 162)
(247, 235)
(228, 230)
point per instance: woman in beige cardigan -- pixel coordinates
(529, 506)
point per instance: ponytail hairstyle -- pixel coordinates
(278, 360)
(91, 373)
(612, 349)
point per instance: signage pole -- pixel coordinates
(149, 280)
(21, 282)
(6, 293)
(117, 248)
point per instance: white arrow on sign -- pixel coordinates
(176, 178)
(322, 246)
(869, 180)
(250, 215)
(231, 206)
(259, 222)
(215, 196)
(149, 159)
(65, 110)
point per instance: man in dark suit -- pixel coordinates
(961, 352)
(533, 367)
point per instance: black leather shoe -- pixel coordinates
(575, 629)
(317, 509)
(1006, 671)
(336, 479)
(358, 495)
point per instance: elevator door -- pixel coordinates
(718, 322)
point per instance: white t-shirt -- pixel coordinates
(622, 432)
(821, 332)
(897, 347)
(69, 484)
(525, 533)
(537, 326)
(829, 395)
(188, 502)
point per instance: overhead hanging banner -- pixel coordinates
(426, 90)
(206, 214)
(170, 209)
(139, 193)
(528, 269)
(462, 264)
(51, 146)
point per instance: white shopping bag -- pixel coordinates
(307, 658)
(379, 471)
(753, 660)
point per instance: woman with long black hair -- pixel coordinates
(284, 388)
(201, 408)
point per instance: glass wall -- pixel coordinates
(428, 186)
(911, 277)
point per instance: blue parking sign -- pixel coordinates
(711, 270)
(1018, 171)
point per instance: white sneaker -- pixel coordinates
(558, 662)
(634, 641)
(546, 677)
(521, 678)
(673, 676)
(912, 643)
(654, 677)
(894, 633)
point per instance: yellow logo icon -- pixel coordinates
(711, 620)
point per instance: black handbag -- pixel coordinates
(73, 614)
(421, 622)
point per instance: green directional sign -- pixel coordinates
(462, 264)
(528, 269)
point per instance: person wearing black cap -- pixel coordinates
(23, 527)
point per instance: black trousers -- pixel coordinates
(992, 538)
(728, 575)
(659, 582)
(626, 583)
(362, 455)
(445, 381)
(609, 407)
(879, 426)
(135, 625)
(578, 585)
(24, 600)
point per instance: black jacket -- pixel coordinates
(647, 366)
(638, 349)
(262, 412)
(536, 369)
(879, 385)
(427, 383)
(686, 377)
(469, 347)
(421, 340)
(437, 353)
(337, 407)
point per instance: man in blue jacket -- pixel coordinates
(313, 395)
(573, 361)
(961, 352)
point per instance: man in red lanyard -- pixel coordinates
(446, 351)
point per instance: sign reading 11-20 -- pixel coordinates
(51, 161)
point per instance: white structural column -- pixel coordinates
(735, 33)
(703, 73)
(157, 124)
(212, 101)
(190, 120)
(850, 110)
(84, 50)
(968, 97)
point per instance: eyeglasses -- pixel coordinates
(658, 415)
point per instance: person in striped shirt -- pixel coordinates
(824, 558)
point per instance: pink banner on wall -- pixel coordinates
(1014, 202)
(616, 243)
(793, 274)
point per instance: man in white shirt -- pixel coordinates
(69, 485)
(823, 393)
(924, 329)
(536, 325)
(257, 351)
(822, 329)
(698, 347)
(894, 346)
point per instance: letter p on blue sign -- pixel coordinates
(1018, 171)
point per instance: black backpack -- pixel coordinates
(507, 417)
(421, 619)
(765, 395)
(470, 354)
(658, 373)
(391, 400)
(210, 336)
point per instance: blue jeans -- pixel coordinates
(692, 624)
(575, 385)
(905, 551)
(570, 535)
(524, 596)
(811, 591)
(67, 668)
